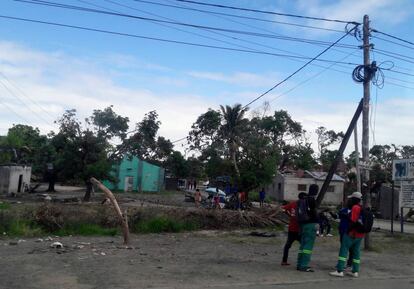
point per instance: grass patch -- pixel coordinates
(21, 228)
(86, 230)
(163, 224)
(4, 206)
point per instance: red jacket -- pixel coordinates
(291, 211)
(355, 213)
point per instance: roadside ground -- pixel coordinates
(203, 259)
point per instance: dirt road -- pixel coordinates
(204, 259)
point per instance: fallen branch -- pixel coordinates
(123, 218)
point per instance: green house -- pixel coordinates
(135, 175)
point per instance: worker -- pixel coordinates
(293, 228)
(262, 196)
(352, 240)
(307, 219)
(197, 198)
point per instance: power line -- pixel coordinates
(232, 37)
(178, 140)
(307, 80)
(162, 39)
(171, 27)
(233, 31)
(239, 16)
(252, 26)
(393, 37)
(25, 95)
(393, 42)
(12, 110)
(23, 103)
(300, 68)
(267, 12)
(394, 55)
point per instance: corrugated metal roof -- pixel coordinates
(321, 176)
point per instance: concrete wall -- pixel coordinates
(286, 189)
(10, 179)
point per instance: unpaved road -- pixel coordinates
(204, 259)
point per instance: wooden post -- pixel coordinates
(339, 154)
(122, 218)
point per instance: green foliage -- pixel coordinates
(250, 151)
(162, 224)
(20, 228)
(85, 230)
(4, 206)
(24, 144)
(144, 142)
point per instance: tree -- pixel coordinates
(326, 138)
(25, 145)
(232, 122)
(84, 149)
(177, 165)
(145, 142)
(249, 150)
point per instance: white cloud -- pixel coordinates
(388, 12)
(57, 82)
(245, 79)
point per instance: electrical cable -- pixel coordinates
(259, 28)
(393, 42)
(233, 31)
(393, 37)
(178, 140)
(161, 39)
(299, 69)
(12, 110)
(267, 12)
(232, 37)
(305, 81)
(23, 103)
(239, 16)
(25, 95)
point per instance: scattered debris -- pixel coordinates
(49, 239)
(263, 234)
(56, 245)
(103, 253)
(39, 240)
(13, 243)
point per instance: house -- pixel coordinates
(14, 179)
(133, 174)
(286, 186)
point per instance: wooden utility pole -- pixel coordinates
(358, 171)
(365, 118)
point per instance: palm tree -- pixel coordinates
(233, 118)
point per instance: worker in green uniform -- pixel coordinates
(307, 219)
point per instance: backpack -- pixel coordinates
(302, 211)
(365, 222)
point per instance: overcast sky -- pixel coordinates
(45, 70)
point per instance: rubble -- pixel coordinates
(56, 245)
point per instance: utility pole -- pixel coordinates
(365, 118)
(358, 171)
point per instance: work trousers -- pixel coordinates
(352, 245)
(349, 262)
(308, 235)
(292, 237)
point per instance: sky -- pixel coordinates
(45, 70)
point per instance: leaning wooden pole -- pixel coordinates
(123, 218)
(339, 154)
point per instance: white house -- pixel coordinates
(288, 185)
(14, 179)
